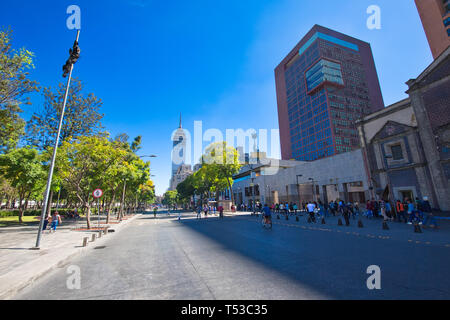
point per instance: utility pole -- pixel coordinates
(67, 68)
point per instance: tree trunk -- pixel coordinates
(110, 207)
(20, 210)
(231, 192)
(88, 215)
(122, 203)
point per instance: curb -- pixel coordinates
(16, 288)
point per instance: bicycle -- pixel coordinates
(267, 224)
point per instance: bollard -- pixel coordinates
(323, 221)
(278, 217)
(93, 237)
(297, 219)
(417, 228)
(360, 224)
(287, 217)
(385, 226)
(309, 220)
(100, 234)
(105, 231)
(85, 241)
(340, 222)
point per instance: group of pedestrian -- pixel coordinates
(212, 210)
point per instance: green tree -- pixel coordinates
(82, 164)
(170, 198)
(23, 169)
(14, 87)
(147, 192)
(81, 116)
(186, 189)
(221, 162)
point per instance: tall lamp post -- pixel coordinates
(298, 190)
(68, 69)
(253, 188)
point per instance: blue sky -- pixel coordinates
(213, 61)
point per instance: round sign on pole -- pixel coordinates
(97, 193)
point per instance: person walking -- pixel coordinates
(426, 208)
(400, 211)
(221, 212)
(46, 221)
(383, 210)
(411, 210)
(345, 209)
(55, 221)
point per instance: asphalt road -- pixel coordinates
(236, 258)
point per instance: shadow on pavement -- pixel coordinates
(331, 263)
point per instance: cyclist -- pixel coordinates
(155, 209)
(267, 215)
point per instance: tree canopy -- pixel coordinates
(14, 87)
(82, 116)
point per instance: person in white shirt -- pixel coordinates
(310, 207)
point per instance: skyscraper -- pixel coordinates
(435, 16)
(179, 149)
(326, 83)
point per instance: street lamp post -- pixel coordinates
(298, 189)
(68, 69)
(253, 189)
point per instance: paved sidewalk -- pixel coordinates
(20, 266)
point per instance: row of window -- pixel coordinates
(346, 132)
(323, 70)
(314, 155)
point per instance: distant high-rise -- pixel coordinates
(179, 149)
(326, 83)
(435, 16)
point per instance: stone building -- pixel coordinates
(406, 145)
(180, 175)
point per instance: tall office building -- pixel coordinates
(435, 16)
(179, 149)
(326, 83)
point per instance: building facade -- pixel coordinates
(270, 181)
(326, 83)
(180, 175)
(430, 100)
(407, 145)
(435, 16)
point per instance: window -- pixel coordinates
(322, 71)
(397, 152)
(447, 22)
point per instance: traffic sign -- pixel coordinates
(97, 193)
